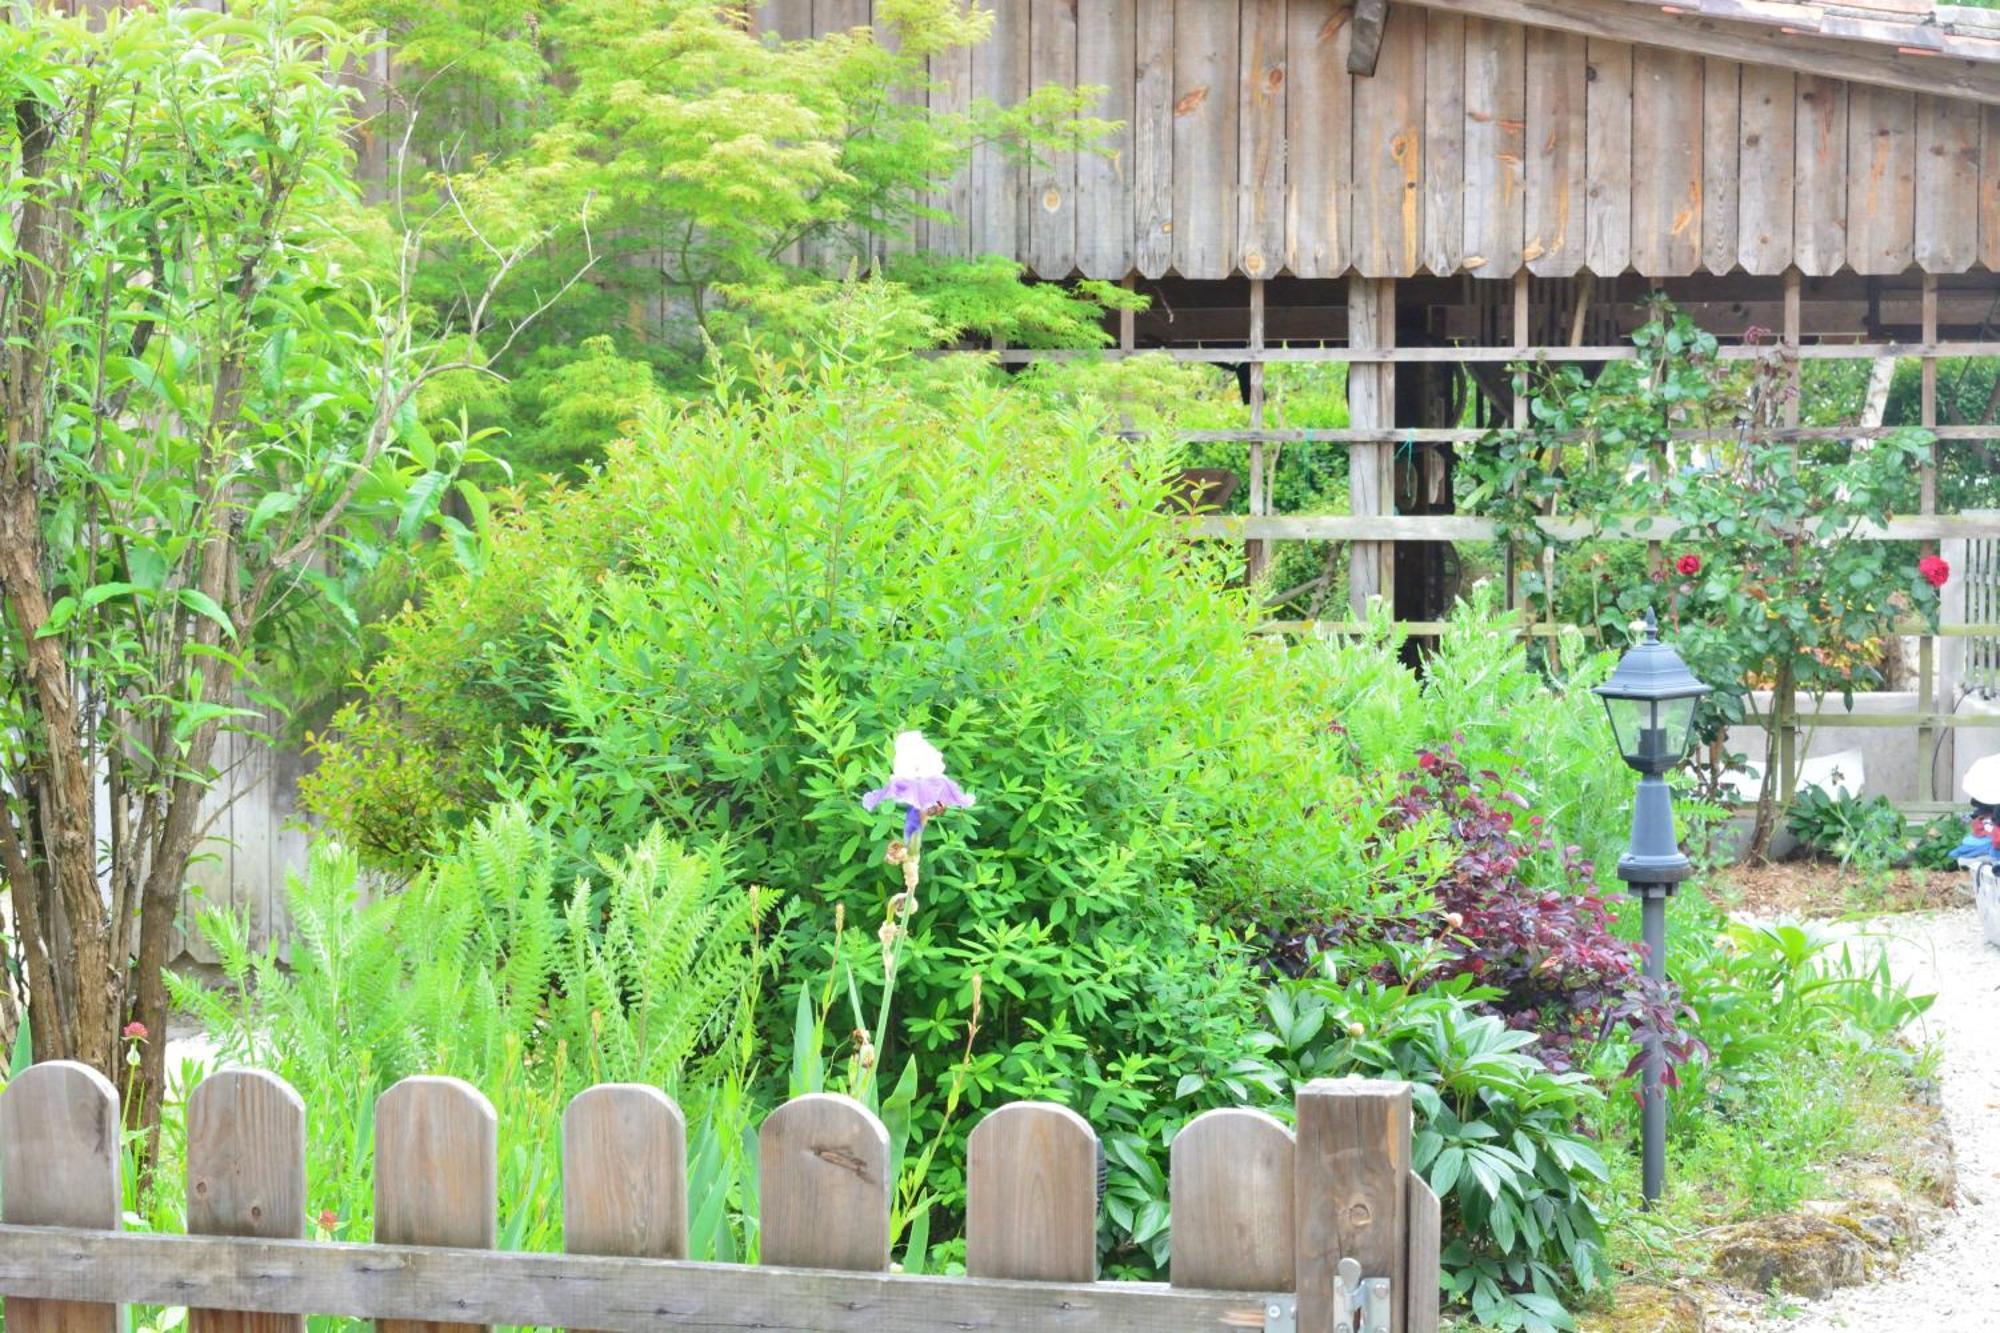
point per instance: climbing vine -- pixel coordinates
(1759, 562)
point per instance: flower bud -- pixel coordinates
(1356, 1030)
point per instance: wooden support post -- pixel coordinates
(1351, 1194)
(1256, 554)
(59, 1168)
(1927, 735)
(246, 1176)
(1371, 404)
(1518, 419)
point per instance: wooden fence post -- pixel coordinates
(625, 1173)
(246, 1176)
(436, 1174)
(59, 1134)
(1351, 1192)
(1232, 1203)
(1031, 1195)
(823, 1185)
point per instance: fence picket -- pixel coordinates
(436, 1174)
(625, 1173)
(1351, 1191)
(1232, 1201)
(823, 1183)
(1425, 1272)
(59, 1168)
(246, 1175)
(1031, 1195)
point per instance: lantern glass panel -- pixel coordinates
(1631, 719)
(1676, 720)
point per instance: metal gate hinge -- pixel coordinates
(1360, 1305)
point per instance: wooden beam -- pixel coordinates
(1366, 27)
(1384, 529)
(573, 1291)
(1546, 630)
(1860, 61)
(1473, 434)
(1364, 355)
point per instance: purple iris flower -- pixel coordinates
(917, 783)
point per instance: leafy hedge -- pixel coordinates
(719, 632)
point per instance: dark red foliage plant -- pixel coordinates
(1524, 918)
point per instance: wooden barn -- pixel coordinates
(1431, 190)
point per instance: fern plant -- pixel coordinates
(488, 969)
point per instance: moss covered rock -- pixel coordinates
(1802, 1254)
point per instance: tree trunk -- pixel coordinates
(86, 1028)
(1772, 797)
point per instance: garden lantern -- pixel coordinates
(1651, 700)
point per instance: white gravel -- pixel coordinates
(1953, 1281)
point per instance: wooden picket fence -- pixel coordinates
(1321, 1228)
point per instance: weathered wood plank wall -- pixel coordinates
(1477, 146)
(256, 837)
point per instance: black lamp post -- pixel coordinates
(1651, 699)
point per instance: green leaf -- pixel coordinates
(59, 617)
(104, 592)
(199, 602)
(268, 508)
(420, 503)
(1445, 1174)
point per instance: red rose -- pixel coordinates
(1935, 571)
(1688, 565)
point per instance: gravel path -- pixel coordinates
(1953, 1281)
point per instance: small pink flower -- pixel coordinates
(328, 1220)
(1688, 565)
(135, 1032)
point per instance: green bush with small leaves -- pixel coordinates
(764, 589)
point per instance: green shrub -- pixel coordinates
(1497, 1135)
(1542, 729)
(1764, 995)
(1932, 845)
(1869, 833)
(760, 593)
